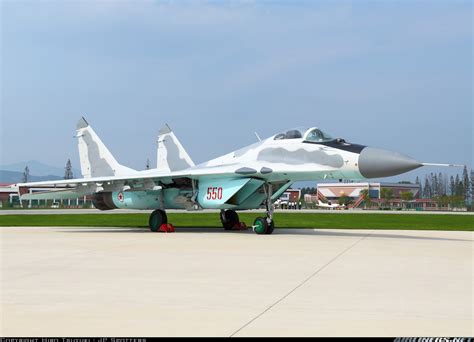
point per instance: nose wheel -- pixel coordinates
(262, 225)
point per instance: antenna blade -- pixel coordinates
(258, 137)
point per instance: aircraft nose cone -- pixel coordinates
(374, 163)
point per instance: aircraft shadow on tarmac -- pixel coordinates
(286, 231)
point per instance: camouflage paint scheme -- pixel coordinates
(237, 180)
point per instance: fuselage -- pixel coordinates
(294, 160)
(310, 154)
(236, 180)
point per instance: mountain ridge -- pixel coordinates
(38, 169)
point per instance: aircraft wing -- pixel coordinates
(219, 186)
(146, 180)
(193, 172)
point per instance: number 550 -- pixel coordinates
(214, 193)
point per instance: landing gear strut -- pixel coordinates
(158, 222)
(265, 225)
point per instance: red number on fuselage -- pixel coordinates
(214, 193)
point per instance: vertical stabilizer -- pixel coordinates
(96, 159)
(171, 154)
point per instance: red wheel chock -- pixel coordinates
(166, 228)
(240, 226)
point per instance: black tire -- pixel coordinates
(229, 219)
(260, 225)
(270, 227)
(157, 218)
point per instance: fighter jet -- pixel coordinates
(248, 178)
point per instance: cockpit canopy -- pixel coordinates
(313, 134)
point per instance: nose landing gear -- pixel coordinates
(265, 225)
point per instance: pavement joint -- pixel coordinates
(300, 284)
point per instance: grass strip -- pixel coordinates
(282, 220)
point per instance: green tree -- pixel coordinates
(452, 186)
(456, 201)
(26, 175)
(406, 196)
(387, 195)
(68, 170)
(466, 184)
(427, 188)
(443, 200)
(344, 200)
(459, 187)
(307, 190)
(472, 194)
(420, 188)
(440, 190)
(434, 185)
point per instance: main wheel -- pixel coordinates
(261, 225)
(229, 219)
(157, 218)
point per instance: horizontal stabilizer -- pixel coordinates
(62, 194)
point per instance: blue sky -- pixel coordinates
(396, 75)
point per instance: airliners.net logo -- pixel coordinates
(434, 339)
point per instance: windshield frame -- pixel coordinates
(325, 136)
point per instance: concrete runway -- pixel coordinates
(122, 282)
(131, 211)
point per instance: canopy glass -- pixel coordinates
(313, 134)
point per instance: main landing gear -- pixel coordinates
(158, 222)
(230, 220)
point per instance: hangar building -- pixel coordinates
(332, 192)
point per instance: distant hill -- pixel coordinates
(38, 169)
(16, 177)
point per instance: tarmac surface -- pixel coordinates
(209, 282)
(131, 211)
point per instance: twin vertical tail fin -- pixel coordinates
(96, 159)
(171, 154)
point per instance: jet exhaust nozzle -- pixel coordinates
(374, 163)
